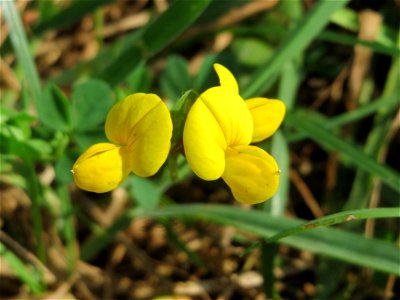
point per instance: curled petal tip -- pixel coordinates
(101, 168)
(226, 78)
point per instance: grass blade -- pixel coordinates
(346, 39)
(332, 242)
(72, 14)
(331, 142)
(154, 38)
(362, 187)
(310, 26)
(162, 31)
(342, 217)
(21, 48)
(280, 151)
(68, 227)
(288, 87)
(35, 192)
(24, 274)
(383, 103)
(174, 237)
(93, 246)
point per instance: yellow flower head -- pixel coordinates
(140, 129)
(218, 131)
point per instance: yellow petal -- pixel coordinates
(267, 116)
(143, 123)
(101, 168)
(151, 139)
(251, 173)
(226, 78)
(217, 119)
(126, 114)
(231, 113)
(204, 142)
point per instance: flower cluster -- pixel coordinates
(217, 137)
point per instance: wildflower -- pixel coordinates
(218, 131)
(139, 128)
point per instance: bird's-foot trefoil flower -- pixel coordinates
(217, 135)
(139, 129)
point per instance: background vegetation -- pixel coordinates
(334, 63)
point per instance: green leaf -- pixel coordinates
(309, 27)
(63, 168)
(251, 51)
(12, 116)
(140, 79)
(146, 192)
(19, 122)
(87, 138)
(42, 147)
(14, 141)
(55, 110)
(91, 100)
(342, 217)
(175, 79)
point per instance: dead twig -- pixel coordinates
(7, 75)
(232, 17)
(161, 5)
(63, 289)
(126, 24)
(370, 22)
(305, 192)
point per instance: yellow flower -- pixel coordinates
(218, 131)
(140, 129)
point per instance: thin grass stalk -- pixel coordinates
(21, 47)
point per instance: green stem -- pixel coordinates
(68, 227)
(35, 193)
